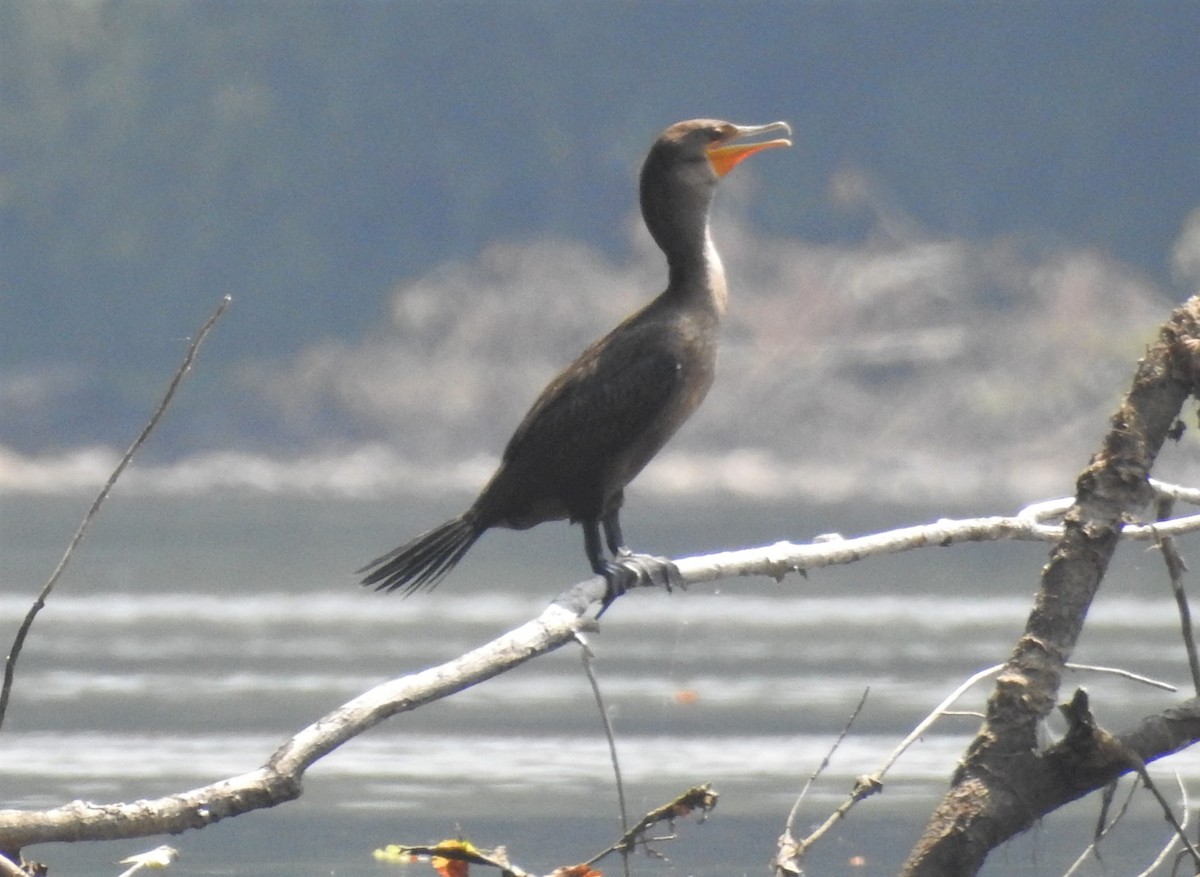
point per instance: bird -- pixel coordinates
(604, 417)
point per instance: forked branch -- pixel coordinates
(1004, 783)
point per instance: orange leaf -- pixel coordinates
(583, 870)
(450, 867)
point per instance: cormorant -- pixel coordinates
(608, 413)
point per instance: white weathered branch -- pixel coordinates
(1029, 524)
(280, 779)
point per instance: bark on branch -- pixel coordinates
(1004, 784)
(280, 779)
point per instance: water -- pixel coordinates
(190, 638)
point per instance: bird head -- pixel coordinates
(723, 154)
(692, 156)
(681, 172)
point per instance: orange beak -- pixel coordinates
(724, 158)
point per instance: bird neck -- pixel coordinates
(677, 218)
(699, 277)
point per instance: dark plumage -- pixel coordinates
(608, 413)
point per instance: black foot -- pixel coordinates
(618, 579)
(651, 571)
(629, 570)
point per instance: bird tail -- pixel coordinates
(422, 562)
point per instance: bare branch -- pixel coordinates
(1190, 495)
(1085, 736)
(790, 851)
(1174, 840)
(1109, 491)
(1004, 782)
(588, 657)
(869, 784)
(10, 662)
(781, 558)
(1103, 827)
(279, 780)
(1124, 674)
(698, 798)
(1176, 567)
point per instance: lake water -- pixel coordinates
(191, 636)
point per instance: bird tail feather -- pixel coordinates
(422, 562)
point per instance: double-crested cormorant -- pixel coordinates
(599, 422)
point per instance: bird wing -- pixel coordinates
(598, 407)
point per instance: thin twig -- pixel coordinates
(10, 662)
(870, 784)
(1176, 567)
(698, 798)
(787, 860)
(1180, 833)
(791, 819)
(1102, 831)
(701, 798)
(928, 721)
(1088, 739)
(588, 657)
(1174, 840)
(1124, 674)
(1190, 495)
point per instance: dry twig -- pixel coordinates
(789, 850)
(588, 657)
(10, 662)
(1176, 567)
(279, 779)
(701, 798)
(981, 810)
(698, 798)
(1085, 737)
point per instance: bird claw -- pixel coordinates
(658, 572)
(645, 571)
(628, 570)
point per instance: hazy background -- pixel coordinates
(424, 209)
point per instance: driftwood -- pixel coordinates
(280, 779)
(1004, 784)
